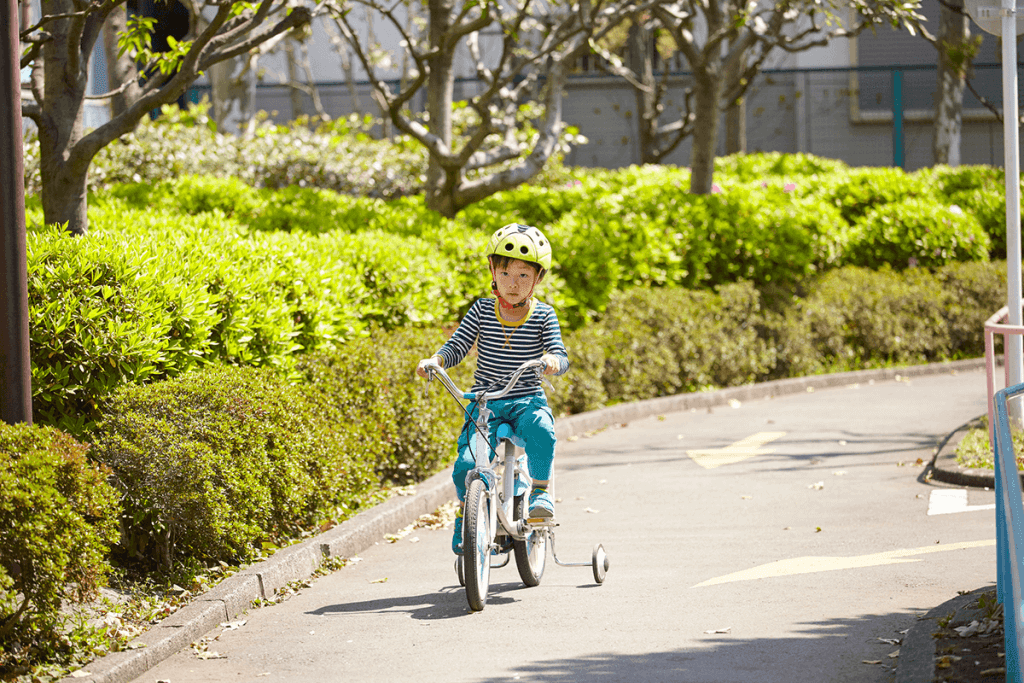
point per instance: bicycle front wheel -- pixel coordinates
(531, 553)
(476, 544)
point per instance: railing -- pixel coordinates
(996, 325)
(1009, 536)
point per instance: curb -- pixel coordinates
(234, 595)
(917, 651)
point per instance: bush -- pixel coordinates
(859, 190)
(370, 384)
(58, 518)
(855, 318)
(213, 463)
(657, 342)
(916, 232)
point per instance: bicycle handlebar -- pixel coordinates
(434, 369)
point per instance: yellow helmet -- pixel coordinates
(523, 242)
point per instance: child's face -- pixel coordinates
(515, 281)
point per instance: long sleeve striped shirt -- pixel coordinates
(504, 346)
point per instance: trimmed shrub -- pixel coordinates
(916, 232)
(371, 387)
(656, 342)
(58, 518)
(856, 318)
(213, 463)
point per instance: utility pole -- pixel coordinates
(15, 363)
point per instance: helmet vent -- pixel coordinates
(508, 246)
(524, 250)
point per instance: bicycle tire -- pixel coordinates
(531, 553)
(476, 545)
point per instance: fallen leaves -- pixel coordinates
(380, 580)
(817, 486)
(714, 631)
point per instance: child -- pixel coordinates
(509, 330)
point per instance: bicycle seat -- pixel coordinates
(504, 433)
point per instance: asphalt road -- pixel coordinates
(792, 556)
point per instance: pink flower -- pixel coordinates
(912, 262)
(715, 189)
(789, 187)
(764, 183)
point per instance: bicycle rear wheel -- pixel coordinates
(531, 553)
(476, 544)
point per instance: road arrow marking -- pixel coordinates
(948, 501)
(741, 450)
(812, 564)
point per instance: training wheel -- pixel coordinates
(460, 571)
(600, 563)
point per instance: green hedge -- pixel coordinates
(215, 463)
(654, 342)
(182, 272)
(58, 518)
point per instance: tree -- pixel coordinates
(521, 51)
(956, 48)
(725, 44)
(59, 48)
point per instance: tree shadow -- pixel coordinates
(853, 650)
(857, 444)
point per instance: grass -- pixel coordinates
(975, 451)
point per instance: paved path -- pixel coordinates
(789, 556)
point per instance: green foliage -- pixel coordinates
(58, 517)
(859, 190)
(750, 168)
(659, 341)
(213, 463)
(136, 301)
(916, 232)
(369, 385)
(855, 317)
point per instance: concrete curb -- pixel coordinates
(235, 594)
(917, 651)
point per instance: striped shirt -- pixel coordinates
(504, 346)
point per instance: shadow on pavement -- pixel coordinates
(447, 603)
(833, 651)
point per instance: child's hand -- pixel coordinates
(551, 362)
(421, 369)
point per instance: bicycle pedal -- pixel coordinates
(541, 521)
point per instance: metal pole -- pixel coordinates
(15, 364)
(897, 118)
(1011, 163)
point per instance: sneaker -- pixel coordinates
(457, 536)
(541, 504)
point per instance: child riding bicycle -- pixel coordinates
(509, 330)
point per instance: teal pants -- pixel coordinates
(531, 420)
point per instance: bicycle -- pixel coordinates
(494, 519)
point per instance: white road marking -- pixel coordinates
(948, 501)
(813, 564)
(741, 450)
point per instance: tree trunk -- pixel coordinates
(63, 172)
(954, 35)
(641, 62)
(441, 182)
(120, 70)
(293, 78)
(735, 115)
(707, 96)
(736, 127)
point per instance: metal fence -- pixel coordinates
(865, 116)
